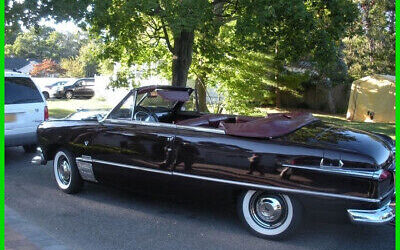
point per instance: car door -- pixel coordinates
(78, 88)
(124, 146)
(204, 153)
(88, 85)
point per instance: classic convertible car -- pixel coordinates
(282, 164)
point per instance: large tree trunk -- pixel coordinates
(182, 58)
(331, 102)
(201, 94)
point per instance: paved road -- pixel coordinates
(159, 216)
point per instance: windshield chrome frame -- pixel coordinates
(134, 93)
(118, 105)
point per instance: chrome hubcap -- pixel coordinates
(268, 211)
(64, 171)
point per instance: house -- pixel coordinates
(20, 64)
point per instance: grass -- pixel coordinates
(384, 128)
(62, 108)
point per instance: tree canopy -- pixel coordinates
(370, 47)
(45, 43)
(47, 68)
(146, 31)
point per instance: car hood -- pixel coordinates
(338, 138)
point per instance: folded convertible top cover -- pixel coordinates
(275, 125)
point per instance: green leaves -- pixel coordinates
(42, 43)
(370, 46)
(226, 32)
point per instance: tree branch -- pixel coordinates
(166, 37)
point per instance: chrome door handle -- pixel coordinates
(321, 164)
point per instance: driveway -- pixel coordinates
(155, 215)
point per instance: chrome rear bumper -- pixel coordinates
(382, 215)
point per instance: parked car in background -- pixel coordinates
(76, 88)
(280, 165)
(25, 108)
(49, 90)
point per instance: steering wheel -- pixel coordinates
(145, 115)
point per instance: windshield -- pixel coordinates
(56, 84)
(152, 104)
(148, 100)
(70, 82)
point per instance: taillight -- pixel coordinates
(46, 113)
(384, 175)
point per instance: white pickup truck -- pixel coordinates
(25, 108)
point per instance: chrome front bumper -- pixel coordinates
(382, 215)
(39, 159)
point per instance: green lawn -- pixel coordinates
(384, 128)
(59, 108)
(62, 108)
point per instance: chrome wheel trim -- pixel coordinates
(268, 211)
(272, 222)
(62, 170)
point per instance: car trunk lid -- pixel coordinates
(336, 138)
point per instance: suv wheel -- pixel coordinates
(69, 95)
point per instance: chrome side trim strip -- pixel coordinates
(167, 125)
(126, 166)
(238, 183)
(153, 124)
(280, 189)
(201, 129)
(340, 171)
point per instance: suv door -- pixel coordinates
(88, 86)
(79, 89)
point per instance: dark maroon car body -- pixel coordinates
(323, 165)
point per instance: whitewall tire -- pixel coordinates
(66, 173)
(267, 215)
